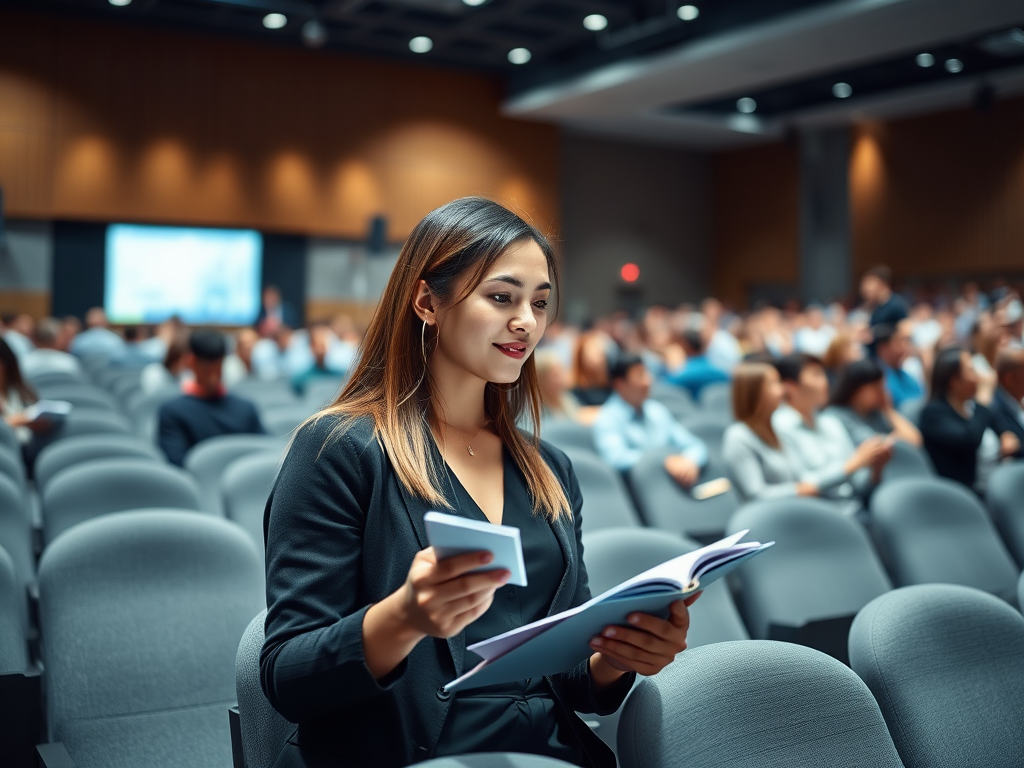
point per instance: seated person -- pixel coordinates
(319, 363)
(206, 409)
(16, 395)
(1006, 407)
(861, 402)
(957, 426)
(697, 372)
(756, 461)
(892, 349)
(48, 355)
(629, 424)
(818, 442)
(97, 338)
(590, 368)
(557, 401)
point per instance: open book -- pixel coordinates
(54, 410)
(560, 642)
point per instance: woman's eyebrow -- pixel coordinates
(515, 281)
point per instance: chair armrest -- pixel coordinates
(53, 755)
(235, 724)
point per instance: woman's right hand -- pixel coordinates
(441, 598)
(874, 451)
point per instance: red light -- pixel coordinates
(630, 272)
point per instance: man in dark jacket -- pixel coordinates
(1007, 411)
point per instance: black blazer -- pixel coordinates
(952, 441)
(341, 532)
(1005, 417)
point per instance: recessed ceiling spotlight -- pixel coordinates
(688, 12)
(274, 20)
(314, 33)
(120, 3)
(953, 66)
(746, 105)
(474, 3)
(842, 90)
(924, 59)
(421, 44)
(595, 22)
(519, 55)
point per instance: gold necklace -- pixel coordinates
(468, 446)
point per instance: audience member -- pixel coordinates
(206, 409)
(842, 350)
(238, 364)
(97, 338)
(629, 424)
(755, 460)
(861, 402)
(48, 355)
(818, 442)
(274, 313)
(557, 402)
(887, 307)
(815, 337)
(319, 364)
(172, 371)
(697, 372)
(1006, 407)
(957, 427)
(590, 367)
(16, 395)
(18, 333)
(270, 356)
(892, 348)
(723, 349)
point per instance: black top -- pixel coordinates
(521, 716)
(341, 532)
(891, 312)
(1008, 416)
(187, 420)
(952, 441)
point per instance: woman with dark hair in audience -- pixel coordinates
(16, 395)
(591, 361)
(755, 459)
(957, 425)
(365, 625)
(861, 401)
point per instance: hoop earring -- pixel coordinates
(423, 373)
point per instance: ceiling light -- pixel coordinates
(924, 59)
(595, 22)
(421, 44)
(746, 105)
(274, 20)
(688, 12)
(474, 2)
(954, 65)
(841, 90)
(519, 55)
(120, 3)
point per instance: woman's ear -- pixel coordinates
(423, 303)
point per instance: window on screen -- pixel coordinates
(205, 276)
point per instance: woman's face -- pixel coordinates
(964, 385)
(495, 329)
(870, 397)
(771, 393)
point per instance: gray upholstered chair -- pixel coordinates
(244, 488)
(907, 461)
(754, 703)
(16, 539)
(662, 503)
(98, 487)
(8, 439)
(565, 433)
(208, 460)
(321, 391)
(710, 428)
(144, 410)
(717, 398)
(606, 502)
(13, 641)
(74, 450)
(140, 677)
(266, 393)
(946, 664)
(495, 760)
(12, 466)
(810, 585)
(20, 690)
(281, 420)
(81, 396)
(613, 555)
(1005, 498)
(262, 729)
(932, 530)
(676, 399)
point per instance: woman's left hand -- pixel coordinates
(649, 643)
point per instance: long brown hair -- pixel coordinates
(12, 378)
(748, 381)
(451, 249)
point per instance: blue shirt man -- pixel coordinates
(892, 348)
(697, 372)
(629, 424)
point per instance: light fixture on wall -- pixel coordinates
(274, 20)
(474, 3)
(924, 60)
(842, 90)
(688, 12)
(746, 105)
(120, 3)
(595, 22)
(954, 66)
(629, 273)
(421, 44)
(519, 55)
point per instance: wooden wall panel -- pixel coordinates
(109, 122)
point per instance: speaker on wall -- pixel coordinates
(377, 239)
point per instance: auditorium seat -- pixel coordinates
(16, 538)
(81, 396)
(566, 433)
(1005, 498)
(606, 501)
(13, 638)
(102, 486)
(43, 379)
(266, 393)
(8, 439)
(12, 466)
(141, 677)
(717, 398)
(322, 391)
(20, 690)
(662, 503)
(809, 586)
(676, 399)
(208, 460)
(933, 530)
(281, 420)
(90, 422)
(262, 729)
(74, 450)
(144, 410)
(244, 488)
(907, 461)
(754, 703)
(946, 664)
(709, 426)
(613, 555)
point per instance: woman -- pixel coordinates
(172, 372)
(16, 395)
(755, 460)
(860, 400)
(556, 400)
(590, 368)
(956, 424)
(842, 351)
(364, 625)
